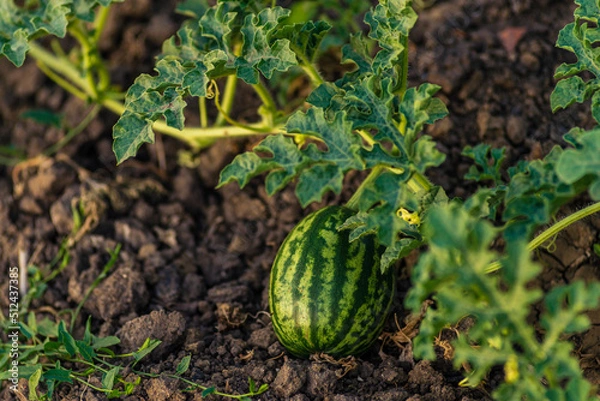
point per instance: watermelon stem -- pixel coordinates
(552, 231)
(354, 200)
(416, 183)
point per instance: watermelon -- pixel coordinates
(327, 294)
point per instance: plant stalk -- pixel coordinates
(416, 183)
(194, 137)
(202, 111)
(313, 74)
(355, 199)
(268, 102)
(552, 231)
(228, 97)
(403, 70)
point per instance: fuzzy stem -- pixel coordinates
(353, 201)
(194, 137)
(402, 70)
(228, 97)
(268, 102)
(419, 182)
(100, 22)
(553, 230)
(202, 112)
(313, 74)
(80, 34)
(562, 224)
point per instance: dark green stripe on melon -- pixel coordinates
(328, 294)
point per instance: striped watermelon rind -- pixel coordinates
(326, 294)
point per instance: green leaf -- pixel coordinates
(567, 92)
(317, 180)
(208, 391)
(146, 348)
(357, 52)
(87, 334)
(397, 251)
(151, 97)
(574, 164)
(534, 193)
(379, 203)
(419, 107)
(580, 38)
(85, 350)
(84, 9)
(192, 8)
(488, 162)
(67, 339)
(587, 10)
(318, 170)
(50, 386)
(58, 374)
(183, 365)
(27, 331)
(26, 371)
(369, 104)
(390, 21)
(485, 202)
(263, 387)
(129, 133)
(108, 378)
(426, 155)
(105, 342)
(342, 145)
(52, 346)
(304, 38)
(286, 161)
(34, 381)
(19, 24)
(259, 53)
(206, 48)
(43, 116)
(243, 167)
(454, 272)
(251, 385)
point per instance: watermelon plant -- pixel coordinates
(217, 49)
(336, 268)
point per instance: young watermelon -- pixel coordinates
(328, 294)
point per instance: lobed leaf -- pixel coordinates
(305, 38)
(379, 203)
(534, 194)
(390, 21)
(259, 53)
(227, 38)
(583, 161)
(381, 206)
(318, 171)
(580, 38)
(419, 107)
(488, 162)
(453, 272)
(19, 24)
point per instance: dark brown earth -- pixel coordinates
(194, 264)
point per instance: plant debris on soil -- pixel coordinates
(193, 270)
